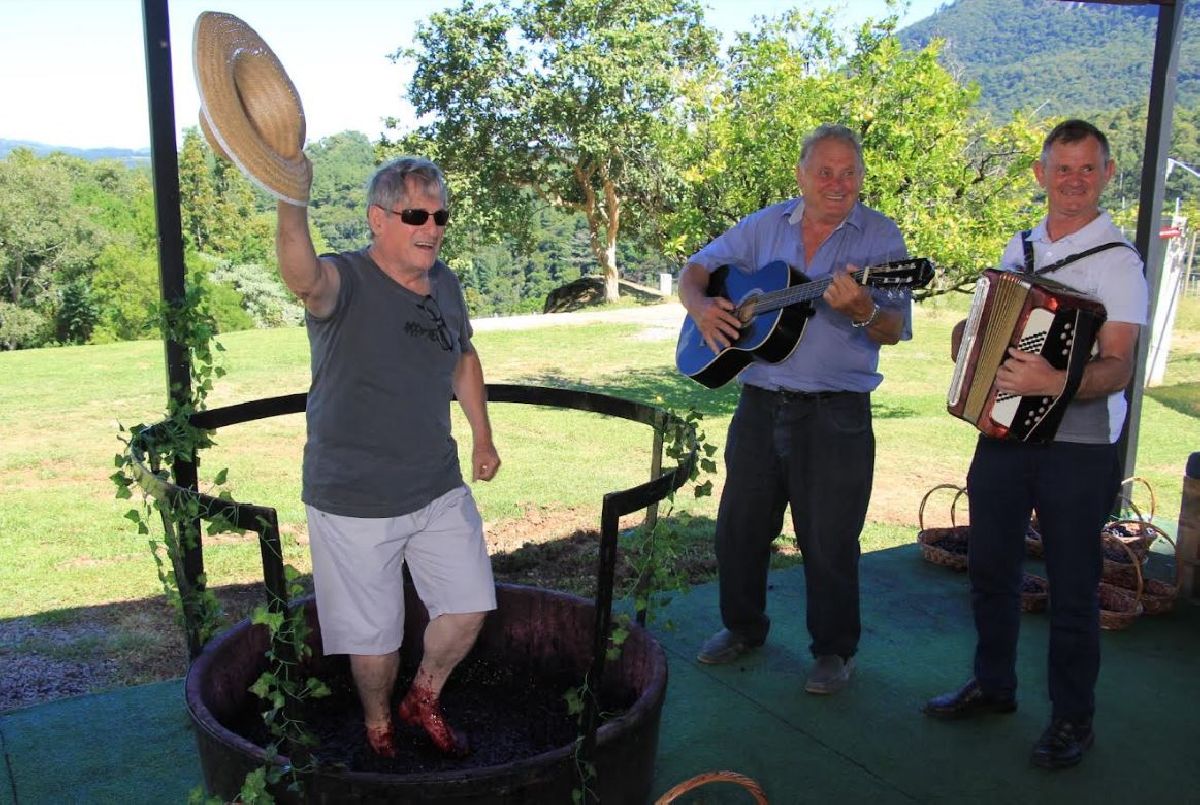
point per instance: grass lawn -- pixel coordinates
(66, 544)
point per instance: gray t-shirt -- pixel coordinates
(379, 442)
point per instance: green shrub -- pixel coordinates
(21, 328)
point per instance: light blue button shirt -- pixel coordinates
(832, 355)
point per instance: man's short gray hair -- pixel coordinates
(388, 186)
(832, 131)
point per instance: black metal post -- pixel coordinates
(164, 159)
(656, 451)
(1154, 163)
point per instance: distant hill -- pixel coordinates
(130, 156)
(1062, 58)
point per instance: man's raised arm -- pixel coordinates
(312, 279)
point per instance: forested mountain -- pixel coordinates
(1058, 58)
(129, 156)
(78, 245)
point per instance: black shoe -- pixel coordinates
(967, 702)
(1062, 744)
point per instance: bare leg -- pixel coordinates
(375, 676)
(448, 638)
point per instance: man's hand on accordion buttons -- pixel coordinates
(1029, 374)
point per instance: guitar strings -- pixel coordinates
(785, 297)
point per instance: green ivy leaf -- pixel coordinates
(264, 685)
(316, 688)
(574, 701)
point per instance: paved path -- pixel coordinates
(668, 314)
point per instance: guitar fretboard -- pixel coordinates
(871, 275)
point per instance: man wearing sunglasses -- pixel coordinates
(391, 344)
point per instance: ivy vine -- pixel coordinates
(654, 553)
(283, 687)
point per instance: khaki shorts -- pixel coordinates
(358, 579)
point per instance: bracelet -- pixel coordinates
(870, 319)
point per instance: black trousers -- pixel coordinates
(815, 452)
(1072, 487)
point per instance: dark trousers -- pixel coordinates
(1072, 487)
(816, 452)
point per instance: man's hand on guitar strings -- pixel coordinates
(848, 297)
(717, 323)
(1029, 374)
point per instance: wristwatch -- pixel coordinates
(869, 320)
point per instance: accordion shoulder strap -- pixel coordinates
(1027, 247)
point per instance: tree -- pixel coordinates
(196, 190)
(222, 212)
(342, 164)
(957, 186)
(41, 228)
(125, 286)
(567, 99)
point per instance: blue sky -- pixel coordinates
(72, 72)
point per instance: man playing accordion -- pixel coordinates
(1071, 481)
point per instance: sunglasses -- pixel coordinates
(430, 308)
(419, 217)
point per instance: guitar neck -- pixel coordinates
(786, 297)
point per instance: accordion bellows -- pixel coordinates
(1034, 315)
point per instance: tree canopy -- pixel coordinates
(956, 186)
(562, 101)
(579, 137)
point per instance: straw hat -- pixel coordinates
(250, 112)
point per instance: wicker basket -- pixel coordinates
(1139, 535)
(944, 546)
(1145, 513)
(714, 777)
(1120, 606)
(1033, 539)
(1034, 593)
(1158, 596)
(1132, 525)
(1124, 555)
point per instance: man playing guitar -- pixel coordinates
(801, 435)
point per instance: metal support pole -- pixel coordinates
(164, 159)
(656, 455)
(1154, 164)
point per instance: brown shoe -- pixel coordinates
(830, 674)
(723, 647)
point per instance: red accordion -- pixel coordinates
(1034, 315)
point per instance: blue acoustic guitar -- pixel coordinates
(774, 305)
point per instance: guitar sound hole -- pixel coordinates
(745, 314)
